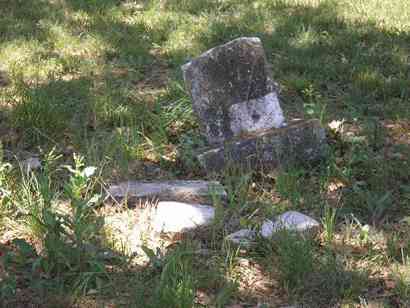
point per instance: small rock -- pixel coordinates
(267, 228)
(243, 237)
(31, 164)
(337, 125)
(290, 220)
(178, 217)
(184, 191)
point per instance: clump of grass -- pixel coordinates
(329, 224)
(289, 185)
(174, 277)
(311, 277)
(296, 258)
(402, 284)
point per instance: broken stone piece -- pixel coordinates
(180, 217)
(185, 191)
(30, 164)
(232, 90)
(298, 143)
(243, 237)
(290, 220)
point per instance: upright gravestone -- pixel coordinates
(235, 99)
(232, 90)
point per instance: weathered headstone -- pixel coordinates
(236, 102)
(232, 90)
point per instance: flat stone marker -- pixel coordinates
(238, 108)
(232, 91)
(184, 191)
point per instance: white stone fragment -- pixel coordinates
(178, 217)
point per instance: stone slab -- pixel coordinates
(185, 191)
(232, 90)
(298, 143)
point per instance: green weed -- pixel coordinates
(65, 237)
(329, 224)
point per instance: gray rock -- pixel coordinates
(243, 237)
(30, 164)
(232, 91)
(180, 217)
(186, 191)
(267, 229)
(290, 220)
(300, 142)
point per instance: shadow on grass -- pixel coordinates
(356, 69)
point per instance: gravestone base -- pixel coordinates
(299, 143)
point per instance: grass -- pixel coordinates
(102, 79)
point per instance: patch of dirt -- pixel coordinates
(398, 131)
(256, 284)
(4, 79)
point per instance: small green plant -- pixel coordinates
(375, 132)
(329, 224)
(398, 247)
(288, 184)
(8, 288)
(176, 288)
(5, 193)
(330, 282)
(314, 107)
(371, 205)
(237, 183)
(65, 237)
(401, 276)
(314, 278)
